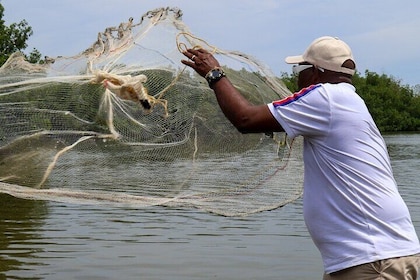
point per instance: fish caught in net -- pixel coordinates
(126, 123)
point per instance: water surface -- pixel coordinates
(52, 240)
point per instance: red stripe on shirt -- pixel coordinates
(295, 96)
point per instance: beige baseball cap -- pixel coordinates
(326, 52)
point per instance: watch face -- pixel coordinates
(215, 73)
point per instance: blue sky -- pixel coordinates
(383, 34)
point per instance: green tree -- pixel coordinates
(394, 106)
(13, 38)
(290, 81)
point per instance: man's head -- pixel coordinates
(331, 58)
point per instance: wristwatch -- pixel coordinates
(214, 75)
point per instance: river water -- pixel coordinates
(52, 240)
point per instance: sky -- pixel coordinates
(384, 34)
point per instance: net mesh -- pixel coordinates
(125, 123)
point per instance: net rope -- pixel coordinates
(125, 123)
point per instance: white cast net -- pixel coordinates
(126, 123)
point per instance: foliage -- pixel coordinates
(13, 38)
(394, 107)
(290, 81)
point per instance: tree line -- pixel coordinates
(394, 106)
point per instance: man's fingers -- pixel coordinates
(197, 51)
(188, 62)
(202, 50)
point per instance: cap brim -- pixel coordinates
(294, 59)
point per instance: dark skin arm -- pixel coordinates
(246, 117)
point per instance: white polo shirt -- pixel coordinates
(352, 207)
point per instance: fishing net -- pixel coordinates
(126, 123)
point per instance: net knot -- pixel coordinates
(130, 88)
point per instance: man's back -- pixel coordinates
(351, 202)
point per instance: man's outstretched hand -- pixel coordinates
(200, 60)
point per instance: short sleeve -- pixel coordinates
(305, 113)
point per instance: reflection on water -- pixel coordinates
(21, 240)
(85, 242)
(52, 240)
